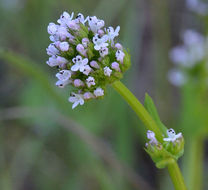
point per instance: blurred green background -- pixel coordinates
(46, 145)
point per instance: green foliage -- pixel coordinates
(150, 106)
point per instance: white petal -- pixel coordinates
(75, 67)
(75, 105)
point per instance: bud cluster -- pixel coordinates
(163, 153)
(86, 56)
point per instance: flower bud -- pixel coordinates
(64, 46)
(80, 48)
(94, 64)
(88, 95)
(78, 83)
(115, 66)
(118, 46)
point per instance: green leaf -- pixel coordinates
(150, 106)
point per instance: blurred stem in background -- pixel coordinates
(194, 122)
(193, 162)
(148, 121)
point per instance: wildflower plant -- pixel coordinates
(88, 58)
(86, 55)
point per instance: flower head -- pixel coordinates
(86, 55)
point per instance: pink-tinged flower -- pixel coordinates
(94, 64)
(78, 83)
(88, 95)
(81, 49)
(115, 66)
(118, 46)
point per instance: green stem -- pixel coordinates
(176, 176)
(138, 108)
(150, 124)
(193, 162)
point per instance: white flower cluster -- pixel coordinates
(187, 56)
(86, 55)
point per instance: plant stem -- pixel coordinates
(176, 176)
(193, 162)
(138, 108)
(150, 124)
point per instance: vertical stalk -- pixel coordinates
(138, 108)
(176, 176)
(150, 124)
(193, 163)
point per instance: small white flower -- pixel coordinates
(64, 75)
(52, 28)
(76, 99)
(79, 63)
(111, 33)
(87, 70)
(64, 18)
(98, 92)
(151, 137)
(80, 18)
(107, 71)
(52, 50)
(120, 55)
(172, 136)
(62, 84)
(99, 42)
(177, 77)
(64, 46)
(95, 24)
(90, 81)
(103, 51)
